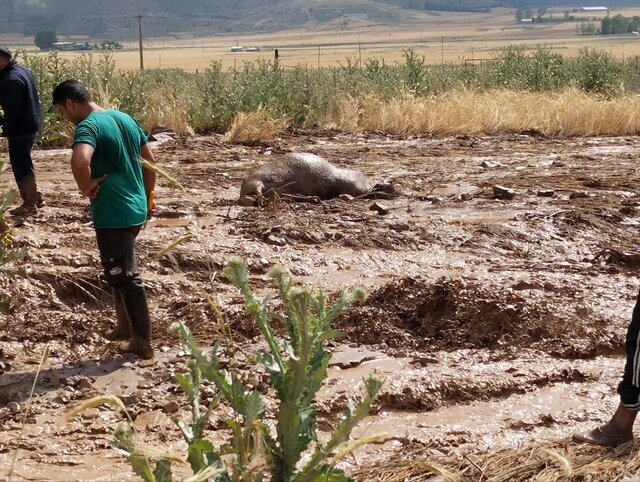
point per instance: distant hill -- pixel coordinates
(114, 19)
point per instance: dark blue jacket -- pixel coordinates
(20, 102)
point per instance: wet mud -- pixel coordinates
(500, 285)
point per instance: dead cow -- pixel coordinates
(302, 174)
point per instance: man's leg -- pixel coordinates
(619, 429)
(117, 253)
(24, 173)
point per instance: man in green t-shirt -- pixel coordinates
(106, 165)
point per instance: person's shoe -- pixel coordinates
(139, 347)
(601, 436)
(24, 210)
(40, 202)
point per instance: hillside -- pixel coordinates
(114, 19)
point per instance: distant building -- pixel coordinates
(70, 46)
(244, 49)
(526, 20)
(594, 9)
(361, 16)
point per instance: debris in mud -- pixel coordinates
(502, 192)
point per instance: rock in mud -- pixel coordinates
(489, 164)
(380, 208)
(546, 193)
(91, 413)
(171, 407)
(14, 407)
(580, 195)
(276, 240)
(502, 192)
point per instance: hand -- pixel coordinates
(94, 187)
(151, 203)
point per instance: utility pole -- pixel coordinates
(139, 17)
(442, 51)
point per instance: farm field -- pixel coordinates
(439, 36)
(498, 323)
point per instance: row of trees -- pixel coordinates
(619, 24)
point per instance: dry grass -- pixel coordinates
(565, 113)
(167, 110)
(561, 461)
(256, 128)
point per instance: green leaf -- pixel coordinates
(186, 384)
(254, 408)
(123, 438)
(141, 466)
(163, 471)
(201, 455)
(186, 430)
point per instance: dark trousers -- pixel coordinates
(20, 156)
(117, 255)
(629, 387)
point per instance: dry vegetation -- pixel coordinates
(569, 112)
(548, 462)
(256, 127)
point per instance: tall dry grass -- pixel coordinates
(167, 110)
(565, 113)
(256, 127)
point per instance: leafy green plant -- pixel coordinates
(297, 366)
(8, 253)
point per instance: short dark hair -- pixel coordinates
(5, 53)
(71, 90)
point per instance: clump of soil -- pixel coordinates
(450, 314)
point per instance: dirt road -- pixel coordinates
(497, 314)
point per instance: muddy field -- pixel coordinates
(497, 315)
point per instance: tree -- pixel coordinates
(519, 15)
(45, 39)
(542, 11)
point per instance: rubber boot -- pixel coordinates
(135, 300)
(122, 331)
(40, 201)
(29, 194)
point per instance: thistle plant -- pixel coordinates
(297, 366)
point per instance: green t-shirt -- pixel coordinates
(117, 140)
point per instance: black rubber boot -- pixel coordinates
(122, 331)
(135, 301)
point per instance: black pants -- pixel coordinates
(20, 156)
(117, 254)
(629, 387)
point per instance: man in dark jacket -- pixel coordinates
(21, 122)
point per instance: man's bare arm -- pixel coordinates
(81, 169)
(148, 174)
